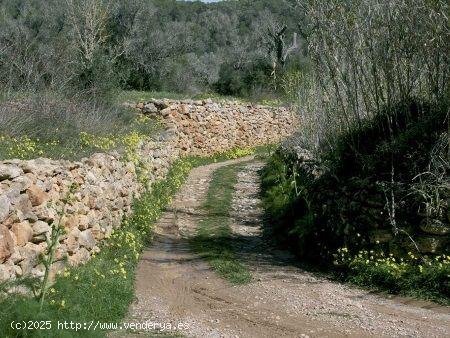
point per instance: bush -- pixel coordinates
(244, 82)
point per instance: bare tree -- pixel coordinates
(88, 20)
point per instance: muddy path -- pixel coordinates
(173, 285)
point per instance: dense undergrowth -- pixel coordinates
(367, 173)
(102, 289)
(333, 218)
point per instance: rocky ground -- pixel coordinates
(175, 286)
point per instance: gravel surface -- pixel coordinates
(175, 286)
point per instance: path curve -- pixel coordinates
(175, 286)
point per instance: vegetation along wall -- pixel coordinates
(90, 197)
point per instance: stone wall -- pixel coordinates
(203, 127)
(32, 192)
(357, 210)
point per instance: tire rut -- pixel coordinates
(173, 285)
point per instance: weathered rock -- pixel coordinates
(21, 183)
(16, 257)
(41, 227)
(9, 171)
(72, 243)
(36, 195)
(41, 232)
(39, 166)
(80, 257)
(31, 192)
(23, 232)
(5, 205)
(86, 239)
(18, 271)
(150, 108)
(45, 213)
(6, 243)
(23, 208)
(431, 245)
(56, 268)
(6, 273)
(30, 253)
(380, 236)
(38, 271)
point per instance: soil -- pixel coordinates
(174, 285)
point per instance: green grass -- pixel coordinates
(213, 240)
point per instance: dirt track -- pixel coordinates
(174, 285)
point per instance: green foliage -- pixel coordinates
(421, 277)
(252, 80)
(177, 46)
(213, 238)
(316, 217)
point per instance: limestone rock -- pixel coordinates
(23, 208)
(23, 232)
(9, 171)
(21, 183)
(380, 236)
(38, 271)
(16, 257)
(434, 227)
(45, 213)
(41, 232)
(86, 239)
(61, 252)
(56, 268)
(72, 242)
(40, 166)
(30, 252)
(150, 108)
(40, 228)
(80, 257)
(431, 245)
(6, 273)
(36, 195)
(6, 243)
(5, 205)
(108, 185)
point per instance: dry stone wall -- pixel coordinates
(31, 198)
(203, 127)
(32, 192)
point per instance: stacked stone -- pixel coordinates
(32, 192)
(204, 127)
(31, 199)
